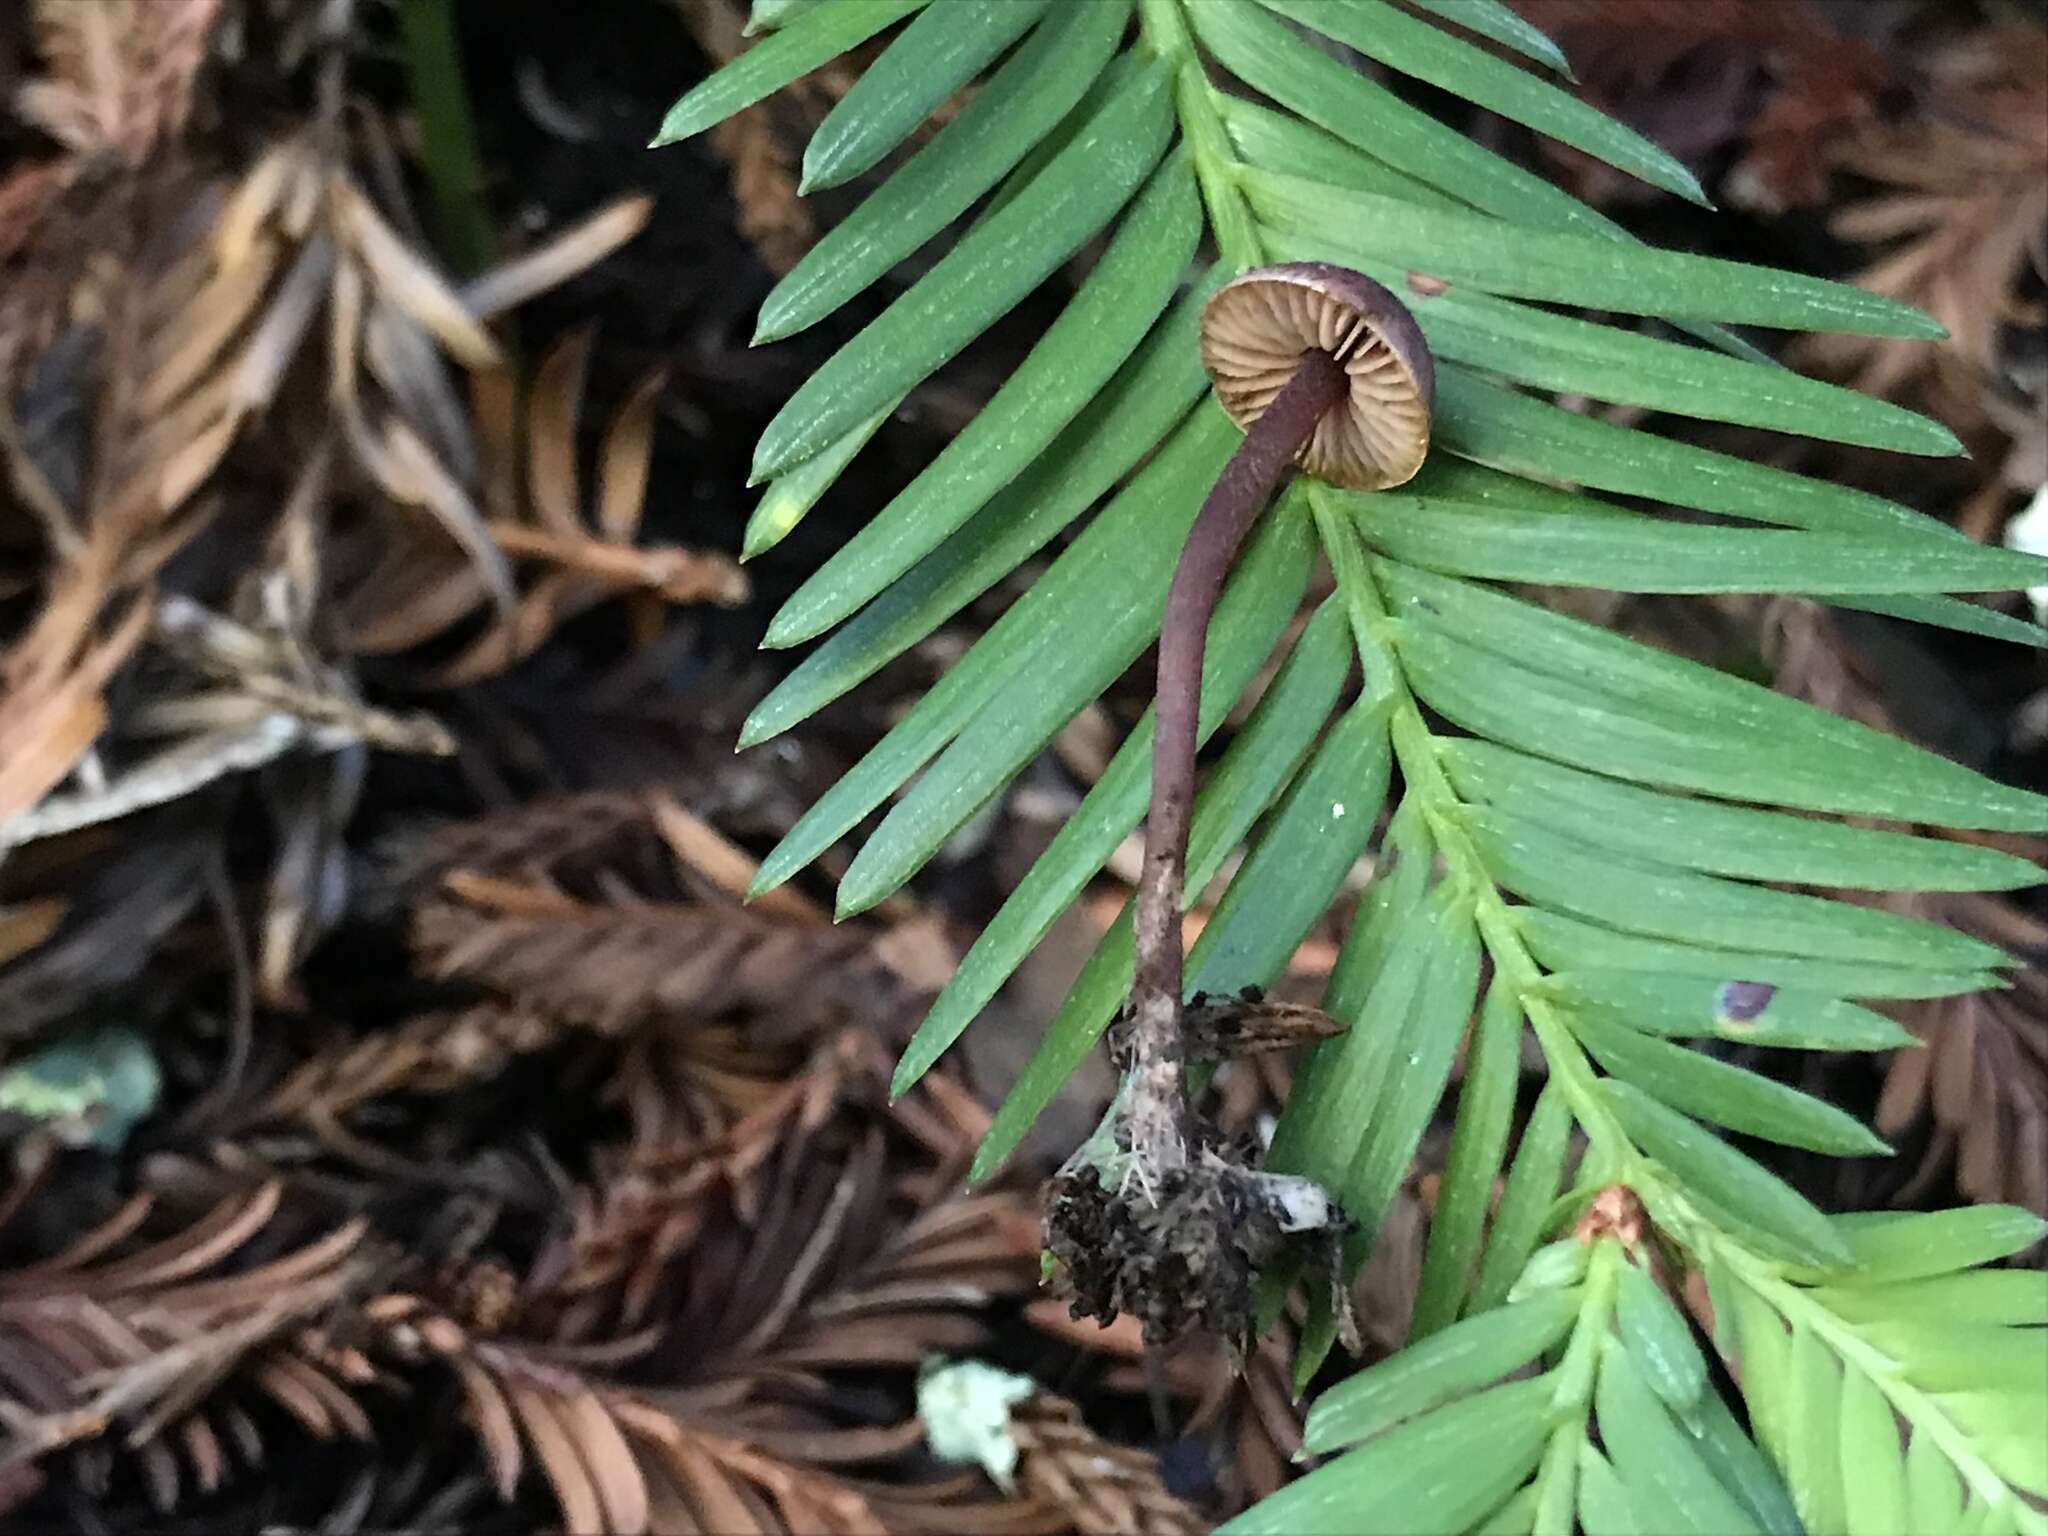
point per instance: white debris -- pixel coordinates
(2029, 532)
(965, 1406)
(1298, 1204)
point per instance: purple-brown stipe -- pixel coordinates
(1241, 492)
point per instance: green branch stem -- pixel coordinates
(1917, 1407)
(1557, 1477)
(1415, 749)
(1163, 30)
(1614, 1156)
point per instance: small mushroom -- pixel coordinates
(1323, 367)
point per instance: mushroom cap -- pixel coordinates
(1256, 329)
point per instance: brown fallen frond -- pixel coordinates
(198, 346)
(153, 1348)
(761, 149)
(556, 837)
(574, 249)
(701, 850)
(1099, 1487)
(433, 1053)
(1982, 1082)
(686, 1359)
(1957, 224)
(621, 1459)
(613, 968)
(149, 1341)
(793, 1189)
(662, 955)
(775, 1258)
(54, 707)
(260, 695)
(225, 693)
(533, 512)
(764, 166)
(116, 78)
(761, 159)
(1776, 86)
(115, 90)
(590, 845)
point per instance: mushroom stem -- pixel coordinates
(1155, 1107)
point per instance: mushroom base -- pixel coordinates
(1179, 1248)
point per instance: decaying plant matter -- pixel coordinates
(1958, 210)
(537, 518)
(192, 347)
(117, 1332)
(671, 1353)
(197, 346)
(138, 1334)
(718, 1326)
